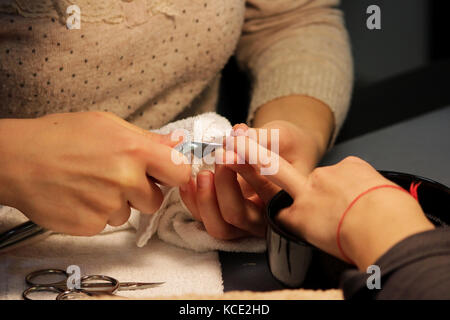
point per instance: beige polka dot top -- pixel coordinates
(148, 61)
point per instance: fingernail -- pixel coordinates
(173, 138)
(238, 133)
(203, 180)
(239, 130)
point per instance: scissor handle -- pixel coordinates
(74, 295)
(26, 294)
(111, 285)
(29, 278)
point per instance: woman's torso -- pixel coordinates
(144, 60)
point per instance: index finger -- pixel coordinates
(268, 163)
(161, 165)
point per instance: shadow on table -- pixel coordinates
(249, 271)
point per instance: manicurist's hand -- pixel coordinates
(375, 223)
(75, 173)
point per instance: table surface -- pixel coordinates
(419, 146)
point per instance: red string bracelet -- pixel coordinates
(412, 192)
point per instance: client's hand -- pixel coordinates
(225, 201)
(74, 173)
(374, 224)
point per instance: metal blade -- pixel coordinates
(128, 286)
(22, 234)
(198, 149)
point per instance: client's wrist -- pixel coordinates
(378, 221)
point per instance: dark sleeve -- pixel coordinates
(418, 267)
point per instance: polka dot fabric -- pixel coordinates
(146, 69)
(153, 61)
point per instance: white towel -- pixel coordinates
(114, 252)
(173, 222)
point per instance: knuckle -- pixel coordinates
(155, 204)
(115, 205)
(235, 218)
(128, 145)
(133, 146)
(96, 226)
(108, 206)
(221, 234)
(318, 177)
(318, 173)
(119, 219)
(127, 176)
(352, 159)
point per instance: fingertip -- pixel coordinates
(239, 129)
(169, 140)
(174, 138)
(204, 179)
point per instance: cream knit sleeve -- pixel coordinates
(297, 47)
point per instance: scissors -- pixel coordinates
(198, 149)
(24, 233)
(90, 285)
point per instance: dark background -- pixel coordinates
(401, 71)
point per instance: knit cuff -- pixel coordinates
(317, 79)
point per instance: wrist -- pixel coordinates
(307, 113)
(312, 150)
(298, 145)
(378, 221)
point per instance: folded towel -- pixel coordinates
(111, 253)
(173, 222)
